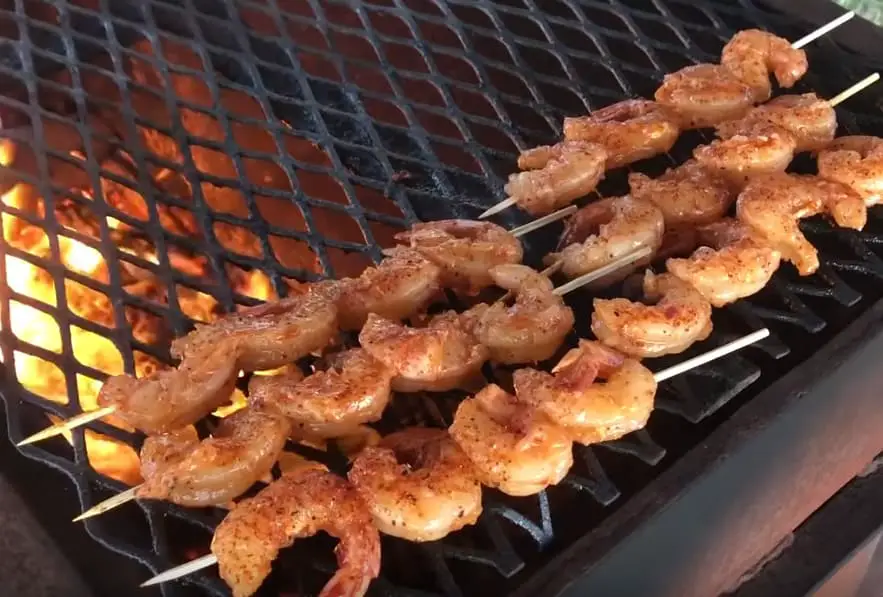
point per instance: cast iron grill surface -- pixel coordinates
(309, 133)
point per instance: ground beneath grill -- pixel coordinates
(30, 564)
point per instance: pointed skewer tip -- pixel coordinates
(182, 570)
(108, 504)
(68, 425)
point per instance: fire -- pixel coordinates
(35, 324)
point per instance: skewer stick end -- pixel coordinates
(824, 29)
(182, 570)
(544, 221)
(495, 209)
(108, 504)
(68, 425)
(853, 89)
(711, 355)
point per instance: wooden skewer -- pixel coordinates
(210, 559)
(65, 426)
(711, 355)
(853, 89)
(601, 271)
(190, 567)
(109, 504)
(545, 220)
(826, 28)
(495, 209)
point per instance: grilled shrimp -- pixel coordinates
(243, 449)
(513, 446)
(772, 206)
(166, 450)
(689, 195)
(731, 264)
(763, 150)
(269, 335)
(354, 389)
(173, 398)
(630, 130)
(530, 330)
(400, 287)
(299, 504)
(443, 355)
(752, 55)
(856, 161)
(418, 484)
(808, 118)
(465, 250)
(590, 411)
(605, 231)
(556, 175)
(680, 317)
(704, 95)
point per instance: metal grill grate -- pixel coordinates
(295, 137)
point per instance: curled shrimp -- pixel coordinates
(269, 335)
(299, 504)
(418, 484)
(772, 207)
(465, 250)
(166, 449)
(856, 161)
(443, 355)
(170, 399)
(530, 330)
(573, 397)
(704, 95)
(630, 130)
(512, 446)
(731, 264)
(353, 390)
(764, 150)
(689, 195)
(752, 55)
(605, 231)
(556, 175)
(400, 287)
(807, 117)
(242, 449)
(679, 317)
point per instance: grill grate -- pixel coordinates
(295, 137)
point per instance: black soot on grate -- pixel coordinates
(171, 161)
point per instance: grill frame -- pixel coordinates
(644, 448)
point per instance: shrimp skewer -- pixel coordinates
(694, 97)
(299, 504)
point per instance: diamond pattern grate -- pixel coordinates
(195, 152)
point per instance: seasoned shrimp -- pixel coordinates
(704, 95)
(680, 317)
(556, 175)
(299, 504)
(166, 449)
(763, 150)
(400, 287)
(630, 130)
(689, 195)
(731, 265)
(465, 250)
(443, 355)
(513, 446)
(856, 161)
(589, 410)
(530, 330)
(418, 484)
(269, 335)
(808, 118)
(354, 389)
(242, 449)
(752, 55)
(173, 398)
(605, 231)
(772, 206)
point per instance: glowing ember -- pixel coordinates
(35, 324)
